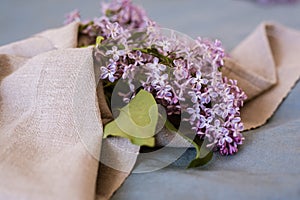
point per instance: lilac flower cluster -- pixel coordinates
(184, 75)
(73, 16)
(125, 13)
(117, 15)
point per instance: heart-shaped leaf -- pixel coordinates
(137, 120)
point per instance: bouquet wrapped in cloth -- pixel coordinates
(53, 104)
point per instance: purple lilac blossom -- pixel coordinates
(117, 16)
(175, 76)
(72, 16)
(183, 77)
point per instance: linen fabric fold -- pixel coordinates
(50, 124)
(41, 153)
(51, 106)
(266, 66)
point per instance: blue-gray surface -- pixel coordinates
(267, 166)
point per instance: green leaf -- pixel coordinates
(203, 154)
(112, 129)
(137, 120)
(139, 117)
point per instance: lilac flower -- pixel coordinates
(109, 72)
(100, 22)
(155, 66)
(159, 80)
(228, 149)
(204, 98)
(147, 84)
(198, 80)
(217, 128)
(115, 53)
(164, 44)
(73, 16)
(137, 57)
(151, 27)
(195, 113)
(221, 110)
(198, 130)
(205, 122)
(163, 92)
(237, 128)
(218, 53)
(238, 139)
(113, 30)
(195, 96)
(180, 90)
(127, 71)
(180, 71)
(235, 125)
(212, 52)
(211, 94)
(175, 99)
(93, 28)
(125, 13)
(225, 138)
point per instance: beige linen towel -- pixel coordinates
(50, 121)
(41, 153)
(50, 125)
(266, 65)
